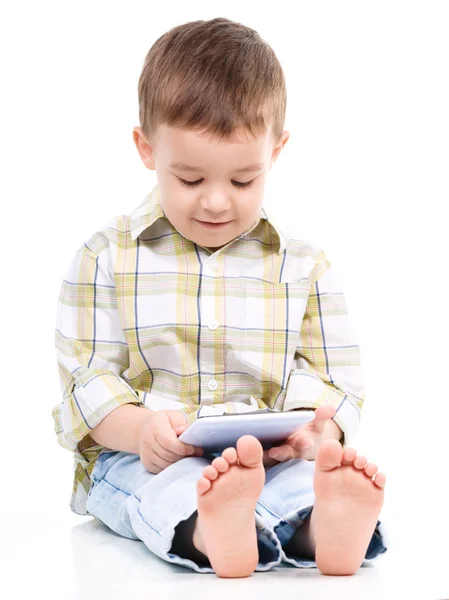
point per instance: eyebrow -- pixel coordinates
(183, 167)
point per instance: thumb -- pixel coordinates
(177, 419)
(322, 416)
(180, 428)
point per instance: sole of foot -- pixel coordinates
(227, 496)
(349, 494)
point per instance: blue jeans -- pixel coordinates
(141, 505)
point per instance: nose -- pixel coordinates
(216, 204)
(215, 201)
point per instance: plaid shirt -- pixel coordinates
(147, 316)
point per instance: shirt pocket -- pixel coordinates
(272, 322)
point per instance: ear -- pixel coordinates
(285, 138)
(279, 146)
(143, 148)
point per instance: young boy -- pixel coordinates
(198, 303)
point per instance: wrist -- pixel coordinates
(120, 429)
(144, 417)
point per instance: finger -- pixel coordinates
(152, 468)
(176, 418)
(301, 440)
(282, 453)
(167, 439)
(309, 454)
(166, 436)
(322, 415)
(325, 412)
(198, 451)
(267, 460)
(166, 454)
(160, 462)
(152, 443)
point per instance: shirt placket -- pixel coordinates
(211, 382)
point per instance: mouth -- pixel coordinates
(212, 225)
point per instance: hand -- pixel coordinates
(304, 443)
(159, 446)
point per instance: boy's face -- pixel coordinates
(219, 196)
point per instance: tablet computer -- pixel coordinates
(215, 433)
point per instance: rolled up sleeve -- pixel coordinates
(327, 367)
(91, 350)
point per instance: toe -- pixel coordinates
(349, 455)
(250, 451)
(202, 485)
(360, 462)
(329, 455)
(379, 480)
(230, 454)
(221, 464)
(371, 469)
(210, 472)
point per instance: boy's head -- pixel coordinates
(212, 96)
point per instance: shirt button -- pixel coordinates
(212, 385)
(214, 267)
(213, 324)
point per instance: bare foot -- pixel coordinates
(227, 496)
(348, 501)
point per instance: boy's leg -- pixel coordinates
(145, 506)
(228, 492)
(286, 504)
(302, 542)
(288, 500)
(155, 508)
(183, 541)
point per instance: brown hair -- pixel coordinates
(217, 76)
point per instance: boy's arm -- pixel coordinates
(91, 350)
(328, 356)
(120, 429)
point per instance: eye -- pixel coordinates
(237, 184)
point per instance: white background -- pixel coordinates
(365, 177)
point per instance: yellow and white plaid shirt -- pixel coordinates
(147, 316)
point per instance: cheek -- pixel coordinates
(253, 204)
(178, 202)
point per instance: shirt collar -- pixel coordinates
(150, 210)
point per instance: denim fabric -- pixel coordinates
(141, 505)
